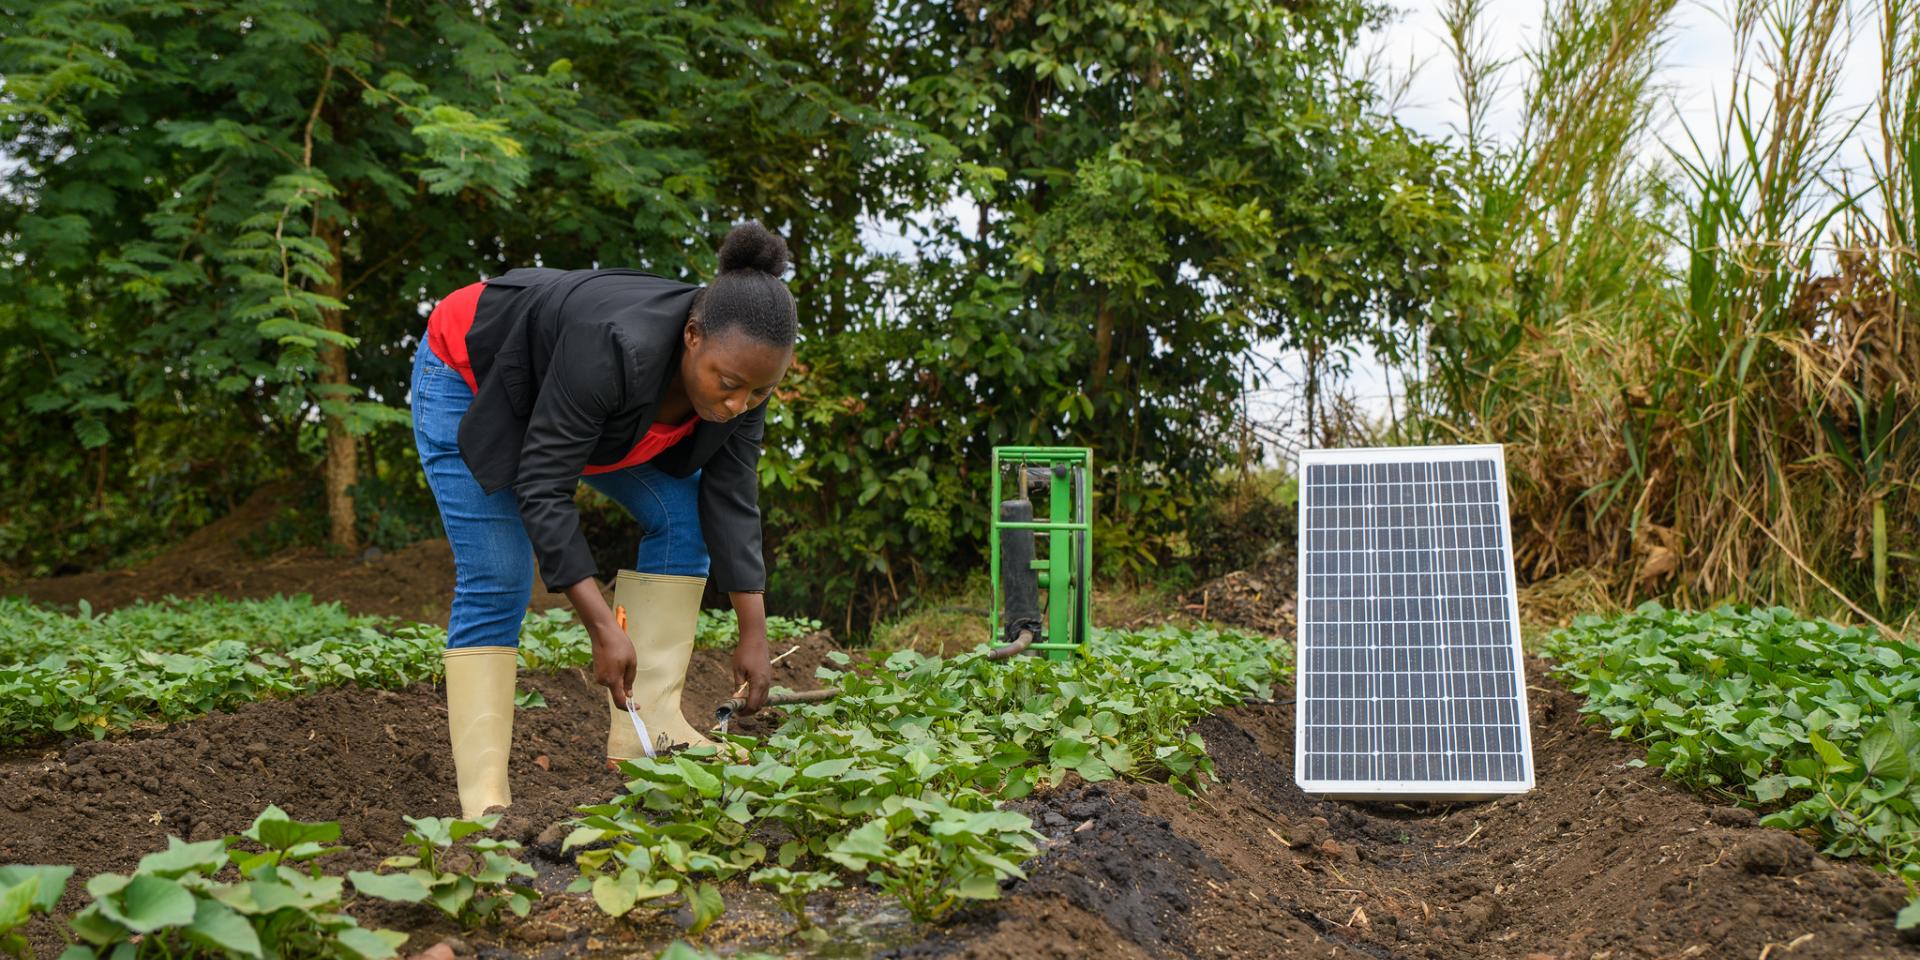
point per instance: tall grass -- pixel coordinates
(1702, 355)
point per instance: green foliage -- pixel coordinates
(720, 629)
(221, 220)
(281, 904)
(898, 778)
(25, 891)
(473, 895)
(1137, 222)
(792, 888)
(171, 661)
(1810, 719)
(29, 631)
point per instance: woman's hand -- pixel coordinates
(750, 664)
(613, 661)
(613, 658)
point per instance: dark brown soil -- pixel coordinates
(1258, 598)
(1602, 860)
(359, 757)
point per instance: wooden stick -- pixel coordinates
(789, 653)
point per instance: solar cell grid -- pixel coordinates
(1409, 667)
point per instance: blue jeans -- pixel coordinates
(492, 557)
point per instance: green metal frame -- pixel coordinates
(1069, 596)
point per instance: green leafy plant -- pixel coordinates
(932, 856)
(25, 891)
(173, 906)
(1806, 718)
(792, 887)
(897, 779)
(468, 882)
(62, 675)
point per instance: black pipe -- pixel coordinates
(1020, 593)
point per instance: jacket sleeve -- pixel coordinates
(730, 507)
(582, 388)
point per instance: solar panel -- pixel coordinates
(1410, 681)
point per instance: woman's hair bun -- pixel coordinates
(752, 246)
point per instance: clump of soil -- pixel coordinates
(1259, 598)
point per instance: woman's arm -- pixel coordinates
(583, 385)
(613, 656)
(750, 664)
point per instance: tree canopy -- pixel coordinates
(224, 221)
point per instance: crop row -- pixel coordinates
(29, 631)
(141, 664)
(895, 783)
(897, 780)
(1808, 719)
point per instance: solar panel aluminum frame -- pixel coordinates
(1387, 789)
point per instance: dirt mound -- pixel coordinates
(413, 583)
(360, 757)
(1259, 598)
(1601, 860)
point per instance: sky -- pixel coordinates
(1697, 73)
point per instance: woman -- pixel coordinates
(652, 391)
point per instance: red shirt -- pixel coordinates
(447, 330)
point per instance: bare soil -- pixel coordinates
(1258, 598)
(1602, 861)
(362, 758)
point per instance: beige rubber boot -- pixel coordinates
(480, 723)
(660, 614)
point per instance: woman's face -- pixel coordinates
(729, 374)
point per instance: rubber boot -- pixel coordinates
(480, 724)
(660, 614)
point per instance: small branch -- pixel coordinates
(376, 268)
(313, 117)
(1802, 564)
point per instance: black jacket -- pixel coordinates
(570, 365)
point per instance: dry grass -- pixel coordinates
(957, 622)
(1715, 388)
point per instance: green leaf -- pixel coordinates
(274, 829)
(150, 903)
(181, 858)
(371, 944)
(51, 881)
(707, 907)
(17, 902)
(1882, 755)
(616, 895)
(1835, 761)
(700, 780)
(1069, 752)
(827, 769)
(398, 887)
(216, 925)
(681, 950)
(581, 836)
(1908, 917)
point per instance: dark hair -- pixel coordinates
(748, 294)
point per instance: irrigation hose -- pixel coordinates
(733, 705)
